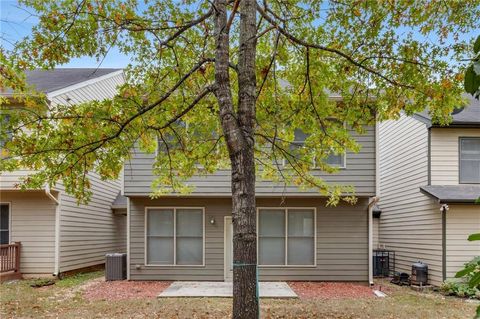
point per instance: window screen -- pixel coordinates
(470, 160)
(300, 237)
(332, 159)
(271, 231)
(175, 236)
(286, 237)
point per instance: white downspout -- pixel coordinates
(56, 266)
(128, 238)
(372, 203)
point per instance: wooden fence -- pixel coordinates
(10, 261)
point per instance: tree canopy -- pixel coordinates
(472, 75)
(230, 83)
(376, 58)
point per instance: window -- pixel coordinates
(332, 159)
(4, 224)
(470, 160)
(286, 237)
(175, 236)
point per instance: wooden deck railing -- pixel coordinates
(10, 258)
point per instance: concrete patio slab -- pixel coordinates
(224, 289)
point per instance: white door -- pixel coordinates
(228, 250)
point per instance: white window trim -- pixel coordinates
(344, 166)
(147, 208)
(460, 138)
(9, 220)
(314, 265)
(316, 168)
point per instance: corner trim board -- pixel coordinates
(128, 238)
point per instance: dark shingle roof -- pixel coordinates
(446, 194)
(465, 116)
(119, 202)
(56, 79)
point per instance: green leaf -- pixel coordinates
(474, 237)
(472, 80)
(465, 271)
(476, 46)
(477, 316)
(475, 280)
(477, 201)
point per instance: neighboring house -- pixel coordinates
(423, 167)
(189, 237)
(55, 233)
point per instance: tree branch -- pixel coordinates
(347, 57)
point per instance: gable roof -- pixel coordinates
(468, 116)
(48, 81)
(52, 80)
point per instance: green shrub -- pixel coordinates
(462, 287)
(459, 288)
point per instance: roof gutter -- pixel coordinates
(56, 267)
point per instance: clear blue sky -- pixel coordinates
(16, 23)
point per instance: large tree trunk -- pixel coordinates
(238, 128)
(243, 174)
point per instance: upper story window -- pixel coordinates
(469, 166)
(337, 160)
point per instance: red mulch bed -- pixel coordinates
(331, 290)
(120, 290)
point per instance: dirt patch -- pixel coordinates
(331, 290)
(121, 290)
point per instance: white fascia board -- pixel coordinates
(82, 84)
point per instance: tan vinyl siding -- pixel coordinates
(11, 180)
(104, 88)
(359, 172)
(462, 220)
(410, 223)
(33, 224)
(88, 232)
(342, 243)
(445, 153)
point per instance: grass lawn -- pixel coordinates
(66, 299)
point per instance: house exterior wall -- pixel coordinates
(445, 153)
(359, 172)
(462, 220)
(342, 241)
(102, 88)
(88, 232)
(99, 89)
(11, 180)
(410, 223)
(32, 218)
